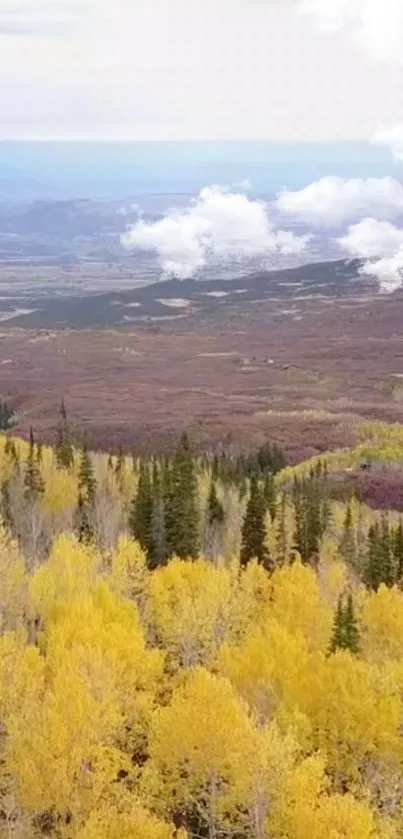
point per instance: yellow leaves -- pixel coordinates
(133, 822)
(13, 584)
(21, 675)
(267, 668)
(60, 489)
(382, 623)
(353, 713)
(189, 609)
(205, 731)
(129, 576)
(69, 573)
(308, 811)
(298, 606)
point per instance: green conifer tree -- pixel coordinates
(281, 536)
(351, 632)
(270, 495)
(337, 640)
(345, 634)
(86, 479)
(140, 515)
(253, 544)
(63, 446)
(348, 545)
(182, 504)
(398, 551)
(158, 547)
(34, 485)
(379, 567)
(120, 463)
(82, 521)
(215, 510)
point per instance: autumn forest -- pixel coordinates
(198, 645)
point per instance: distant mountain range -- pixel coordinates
(183, 302)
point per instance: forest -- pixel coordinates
(198, 645)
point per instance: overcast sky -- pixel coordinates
(200, 69)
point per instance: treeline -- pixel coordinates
(190, 504)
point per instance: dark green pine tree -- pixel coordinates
(5, 505)
(82, 523)
(397, 547)
(373, 567)
(351, 631)
(120, 463)
(270, 495)
(281, 536)
(337, 640)
(182, 504)
(10, 450)
(345, 634)
(379, 567)
(140, 515)
(348, 545)
(215, 510)
(386, 553)
(63, 446)
(253, 543)
(34, 485)
(87, 484)
(157, 555)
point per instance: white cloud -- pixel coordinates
(393, 139)
(217, 225)
(372, 238)
(380, 245)
(376, 26)
(332, 201)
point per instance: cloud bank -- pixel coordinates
(333, 201)
(374, 25)
(393, 139)
(380, 245)
(217, 225)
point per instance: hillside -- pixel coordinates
(252, 691)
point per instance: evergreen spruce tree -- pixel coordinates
(345, 634)
(215, 510)
(373, 570)
(337, 640)
(34, 485)
(253, 545)
(379, 565)
(63, 446)
(82, 523)
(270, 495)
(120, 463)
(5, 503)
(182, 504)
(281, 536)
(86, 479)
(158, 548)
(351, 632)
(347, 544)
(140, 516)
(398, 551)
(388, 575)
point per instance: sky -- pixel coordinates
(202, 69)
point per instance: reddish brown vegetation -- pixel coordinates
(301, 383)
